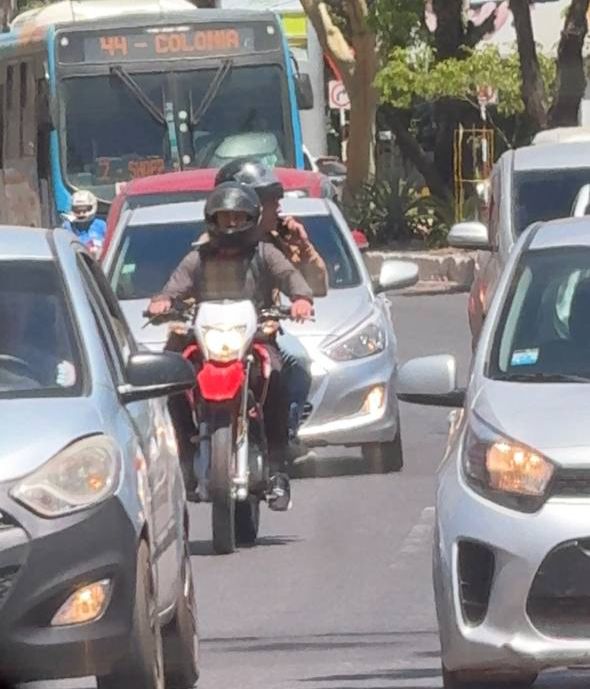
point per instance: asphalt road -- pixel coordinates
(337, 594)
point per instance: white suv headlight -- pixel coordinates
(366, 340)
(80, 476)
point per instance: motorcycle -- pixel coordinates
(233, 369)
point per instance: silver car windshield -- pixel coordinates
(39, 355)
(544, 331)
(148, 254)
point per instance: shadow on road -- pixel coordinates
(205, 548)
(329, 467)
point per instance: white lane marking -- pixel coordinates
(420, 534)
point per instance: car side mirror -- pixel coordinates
(469, 235)
(156, 374)
(430, 381)
(396, 275)
(304, 91)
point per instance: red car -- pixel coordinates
(193, 185)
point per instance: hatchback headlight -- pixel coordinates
(364, 341)
(80, 476)
(224, 345)
(503, 470)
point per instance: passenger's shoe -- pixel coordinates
(279, 494)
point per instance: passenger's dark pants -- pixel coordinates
(276, 411)
(296, 378)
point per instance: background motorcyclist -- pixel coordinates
(82, 221)
(229, 262)
(290, 238)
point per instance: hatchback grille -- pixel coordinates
(559, 600)
(572, 483)
(7, 577)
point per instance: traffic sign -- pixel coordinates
(338, 96)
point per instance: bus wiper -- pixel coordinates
(134, 88)
(544, 378)
(212, 91)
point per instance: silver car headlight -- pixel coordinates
(224, 345)
(503, 470)
(366, 340)
(80, 476)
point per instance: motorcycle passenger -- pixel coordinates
(289, 236)
(229, 262)
(83, 222)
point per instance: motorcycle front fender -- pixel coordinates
(221, 382)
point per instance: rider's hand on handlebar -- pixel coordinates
(159, 306)
(301, 310)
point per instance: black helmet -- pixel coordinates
(252, 173)
(232, 196)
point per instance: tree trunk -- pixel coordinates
(364, 99)
(450, 32)
(532, 89)
(571, 77)
(361, 149)
(411, 150)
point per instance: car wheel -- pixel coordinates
(459, 680)
(181, 640)
(247, 521)
(382, 458)
(144, 665)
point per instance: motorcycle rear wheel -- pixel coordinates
(221, 471)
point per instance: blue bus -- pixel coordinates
(93, 97)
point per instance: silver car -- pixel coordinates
(528, 184)
(351, 344)
(512, 536)
(95, 573)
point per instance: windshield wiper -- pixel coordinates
(134, 88)
(211, 94)
(543, 378)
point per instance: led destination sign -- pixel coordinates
(161, 43)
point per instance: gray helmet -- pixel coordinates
(232, 196)
(254, 174)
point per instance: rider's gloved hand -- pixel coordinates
(301, 310)
(159, 306)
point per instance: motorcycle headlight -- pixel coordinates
(503, 470)
(224, 345)
(79, 477)
(364, 341)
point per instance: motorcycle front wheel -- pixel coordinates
(221, 482)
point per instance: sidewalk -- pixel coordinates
(442, 271)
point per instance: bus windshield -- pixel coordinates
(111, 136)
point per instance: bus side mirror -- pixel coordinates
(304, 91)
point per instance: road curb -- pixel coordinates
(442, 271)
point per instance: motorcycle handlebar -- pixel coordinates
(181, 311)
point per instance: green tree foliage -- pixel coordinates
(413, 74)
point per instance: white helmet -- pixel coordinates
(84, 206)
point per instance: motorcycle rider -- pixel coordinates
(288, 236)
(229, 262)
(82, 221)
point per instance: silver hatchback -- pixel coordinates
(512, 537)
(351, 343)
(95, 572)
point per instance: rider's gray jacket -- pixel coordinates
(206, 275)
